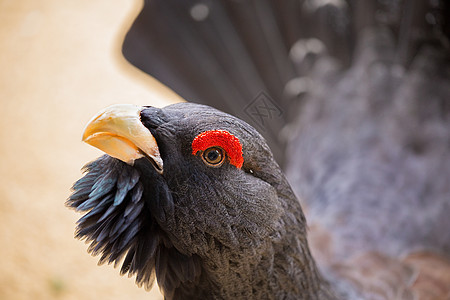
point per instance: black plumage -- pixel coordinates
(120, 222)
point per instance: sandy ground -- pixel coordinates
(60, 63)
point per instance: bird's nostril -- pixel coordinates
(152, 117)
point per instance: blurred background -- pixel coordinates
(60, 63)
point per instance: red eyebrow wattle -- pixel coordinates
(223, 139)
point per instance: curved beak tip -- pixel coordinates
(118, 131)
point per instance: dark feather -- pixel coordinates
(111, 194)
(117, 224)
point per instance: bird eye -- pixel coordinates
(214, 156)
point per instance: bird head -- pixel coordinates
(187, 193)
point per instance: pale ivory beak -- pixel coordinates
(118, 131)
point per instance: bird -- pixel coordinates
(342, 193)
(194, 197)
